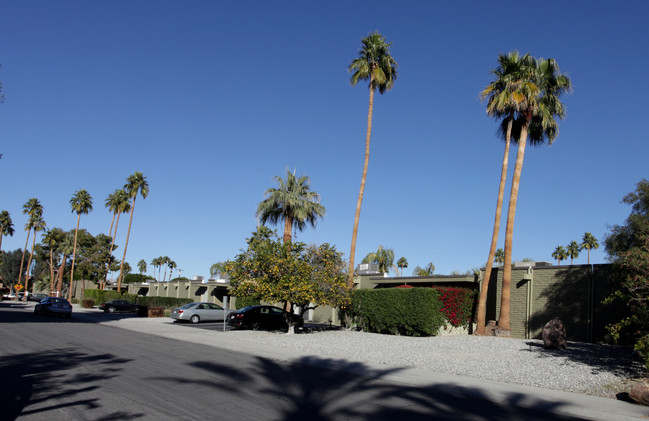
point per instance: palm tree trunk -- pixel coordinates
(59, 287)
(288, 229)
(128, 234)
(22, 259)
(484, 287)
(74, 253)
(503, 320)
(29, 265)
(51, 270)
(112, 244)
(350, 279)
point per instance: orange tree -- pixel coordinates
(289, 273)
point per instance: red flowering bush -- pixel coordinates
(458, 305)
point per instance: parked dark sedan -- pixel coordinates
(36, 297)
(114, 306)
(261, 317)
(53, 305)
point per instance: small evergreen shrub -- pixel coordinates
(242, 302)
(164, 302)
(87, 303)
(101, 296)
(395, 311)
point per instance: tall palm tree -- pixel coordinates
(80, 203)
(38, 224)
(292, 202)
(165, 263)
(573, 250)
(504, 97)
(589, 242)
(383, 257)
(172, 265)
(118, 203)
(141, 266)
(374, 64)
(155, 263)
(217, 268)
(427, 270)
(402, 263)
(560, 254)
(34, 210)
(65, 249)
(541, 92)
(135, 184)
(6, 226)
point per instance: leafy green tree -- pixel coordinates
(543, 87)
(402, 264)
(375, 65)
(589, 242)
(141, 265)
(289, 273)
(382, 257)
(505, 97)
(573, 250)
(627, 247)
(6, 226)
(135, 184)
(292, 202)
(52, 240)
(81, 203)
(10, 267)
(427, 270)
(559, 254)
(34, 210)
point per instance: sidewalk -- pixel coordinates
(563, 403)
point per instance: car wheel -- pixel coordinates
(111, 309)
(255, 325)
(195, 319)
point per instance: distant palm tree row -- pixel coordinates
(159, 262)
(120, 201)
(573, 249)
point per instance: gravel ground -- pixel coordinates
(598, 370)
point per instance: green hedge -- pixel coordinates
(101, 296)
(166, 302)
(136, 277)
(396, 311)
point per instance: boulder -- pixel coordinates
(554, 334)
(640, 393)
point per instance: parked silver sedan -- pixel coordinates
(198, 312)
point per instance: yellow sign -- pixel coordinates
(18, 287)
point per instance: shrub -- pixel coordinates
(87, 303)
(642, 346)
(101, 296)
(458, 305)
(136, 277)
(165, 302)
(410, 312)
(242, 302)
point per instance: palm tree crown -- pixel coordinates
(383, 257)
(6, 226)
(402, 264)
(560, 254)
(573, 250)
(292, 202)
(81, 202)
(427, 270)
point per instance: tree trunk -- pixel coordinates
(503, 319)
(128, 234)
(482, 303)
(112, 244)
(29, 265)
(288, 229)
(350, 279)
(22, 259)
(59, 287)
(74, 253)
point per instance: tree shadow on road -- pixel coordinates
(38, 383)
(322, 389)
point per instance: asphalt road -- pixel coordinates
(77, 369)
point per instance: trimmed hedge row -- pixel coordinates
(101, 296)
(395, 311)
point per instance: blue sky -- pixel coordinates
(211, 100)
